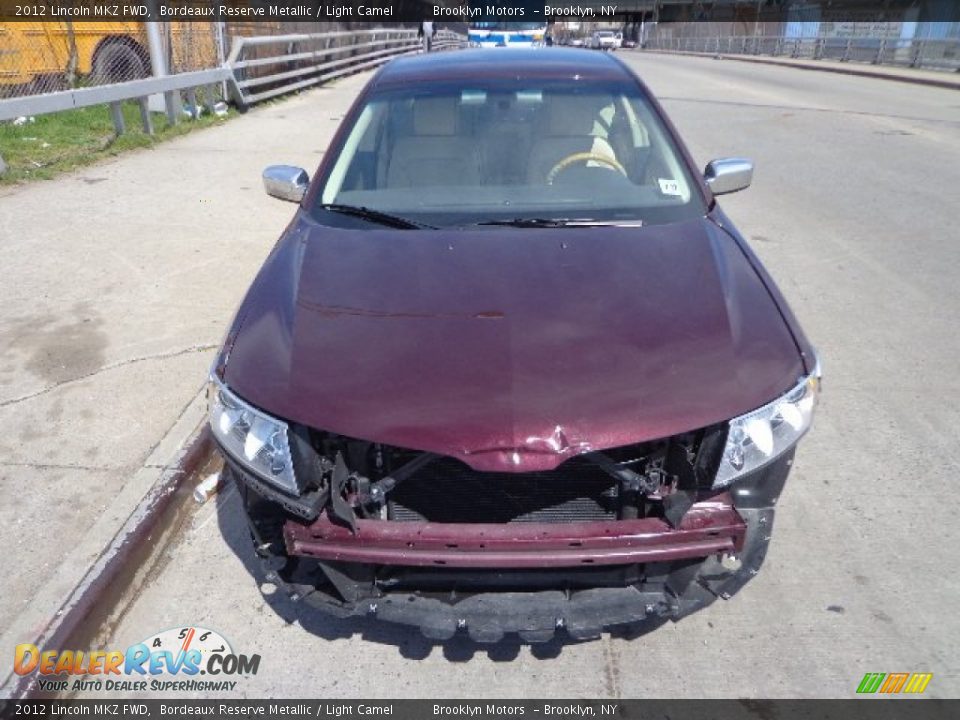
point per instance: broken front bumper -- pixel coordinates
(449, 577)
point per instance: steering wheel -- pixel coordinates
(584, 157)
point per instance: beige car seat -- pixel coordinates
(434, 155)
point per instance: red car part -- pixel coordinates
(708, 528)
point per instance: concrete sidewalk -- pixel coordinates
(116, 285)
(918, 76)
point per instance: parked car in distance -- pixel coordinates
(603, 40)
(576, 42)
(510, 368)
(629, 43)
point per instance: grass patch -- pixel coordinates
(63, 141)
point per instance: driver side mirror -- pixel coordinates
(286, 182)
(728, 175)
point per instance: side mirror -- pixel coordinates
(728, 175)
(286, 182)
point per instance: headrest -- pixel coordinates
(435, 116)
(578, 115)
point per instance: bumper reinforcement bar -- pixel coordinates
(708, 528)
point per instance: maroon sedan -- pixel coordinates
(510, 368)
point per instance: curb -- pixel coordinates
(104, 570)
(861, 71)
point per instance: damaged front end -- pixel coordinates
(645, 532)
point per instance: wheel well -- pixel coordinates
(126, 40)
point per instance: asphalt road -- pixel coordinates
(853, 211)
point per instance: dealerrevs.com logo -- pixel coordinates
(893, 683)
(186, 659)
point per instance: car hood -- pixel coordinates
(510, 349)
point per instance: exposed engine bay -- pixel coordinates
(624, 536)
(357, 479)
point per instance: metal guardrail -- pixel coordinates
(268, 66)
(258, 68)
(917, 53)
(113, 94)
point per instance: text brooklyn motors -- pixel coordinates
(477, 710)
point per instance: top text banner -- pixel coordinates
(378, 11)
(452, 11)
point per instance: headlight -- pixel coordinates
(254, 439)
(761, 436)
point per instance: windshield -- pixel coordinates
(467, 155)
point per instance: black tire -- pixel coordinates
(47, 82)
(119, 60)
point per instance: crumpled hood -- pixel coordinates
(510, 349)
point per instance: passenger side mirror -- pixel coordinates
(286, 182)
(728, 175)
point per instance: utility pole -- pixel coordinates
(158, 66)
(158, 59)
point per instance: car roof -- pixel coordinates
(508, 63)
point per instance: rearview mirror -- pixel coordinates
(728, 175)
(286, 182)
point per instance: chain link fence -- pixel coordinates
(880, 43)
(931, 54)
(43, 57)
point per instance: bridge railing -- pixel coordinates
(271, 65)
(258, 68)
(937, 54)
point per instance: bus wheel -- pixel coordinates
(119, 60)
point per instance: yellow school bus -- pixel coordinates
(51, 55)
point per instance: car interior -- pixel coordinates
(503, 139)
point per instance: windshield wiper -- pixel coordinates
(527, 222)
(536, 222)
(382, 218)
